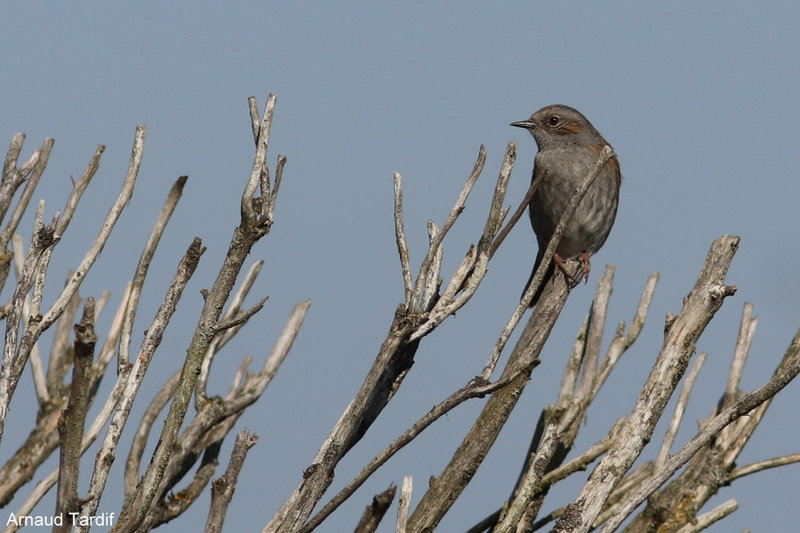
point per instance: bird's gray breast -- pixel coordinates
(561, 171)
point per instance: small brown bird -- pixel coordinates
(569, 147)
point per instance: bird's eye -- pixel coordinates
(554, 120)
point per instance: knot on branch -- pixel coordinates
(46, 236)
(719, 291)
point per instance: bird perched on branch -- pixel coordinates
(569, 148)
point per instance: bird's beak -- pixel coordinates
(527, 124)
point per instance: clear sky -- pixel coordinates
(700, 100)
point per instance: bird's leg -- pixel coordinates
(562, 266)
(586, 267)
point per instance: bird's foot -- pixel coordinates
(583, 273)
(586, 266)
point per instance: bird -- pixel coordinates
(569, 147)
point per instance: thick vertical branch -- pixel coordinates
(71, 425)
(444, 489)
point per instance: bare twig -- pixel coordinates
(259, 170)
(223, 487)
(400, 236)
(374, 512)
(523, 205)
(80, 186)
(32, 174)
(458, 207)
(17, 350)
(680, 408)
(142, 434)
(396, 354)
(700, 305)
(706, 519)
(747, 330)
(786, 372)
(404, 504)
(254, 224)
(476, 388)
(142, 268)
(134, 375)
(226, 334)
(538, 278)
(72, 423)
(469, 274)
(763, 465)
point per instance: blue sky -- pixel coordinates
(700, 101)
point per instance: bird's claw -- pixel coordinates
(583, 273)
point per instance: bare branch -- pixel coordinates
(763, 465)
(476, 388)
(558, 427)
(223, 487)
(538, 278)
(143, 266)
(222, 336)
(680, 408)
(134, 375)
(79, 187)
(400, 236)
(445, 488)
(714, 515)
(392, 363)
(142, 434)
(39, 159)
(404, 505)
(17, 351)
(72, 423)
(458, 207)
(523, 205)
(747, 330)
(45, 437)
(242, 317)
(700, 305)
(374, 512)
(786, 372)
